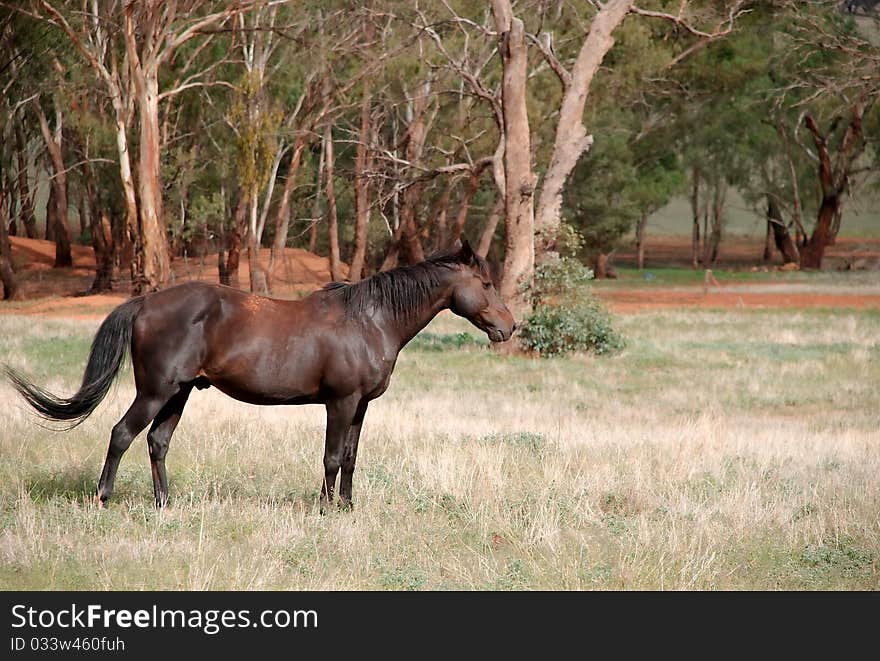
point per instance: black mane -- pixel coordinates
(402, 291)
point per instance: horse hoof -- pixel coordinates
(100, 504)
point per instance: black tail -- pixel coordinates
(105, 358)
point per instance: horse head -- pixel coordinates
(475, 298)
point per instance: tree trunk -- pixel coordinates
(768, 241)
(441, 229)
(51, 213)
(833, 181)
(282, 216)
(102, 236)
(26, 202)
(7, 273)
(332, 221)
(59, 225)
(131, 233)
(781, 237)
(362, 163)
(813, 252)
(410, 249)
(571, 137)
(489, 230)
(257, 275)
(713, 241)
(229, 274)
(457, 227)
(695, 214)
(153, 236)
(317, 204)
(393, 252)
(603, 269)
(519, 260)
(81, 213)
(641, 230)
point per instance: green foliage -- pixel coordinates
(566, 316)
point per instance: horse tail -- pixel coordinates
(109, 347)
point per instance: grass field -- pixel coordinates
(722, 450)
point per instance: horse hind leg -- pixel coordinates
(142, 410)
(159, 438)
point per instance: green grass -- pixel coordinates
(722, 450)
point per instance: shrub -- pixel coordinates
(566, 316)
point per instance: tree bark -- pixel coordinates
(317, 203)
(229, 274)
(488, 232)
(7, 273)
(58, 181)
(813, 252)
(833, 182)
(441, 211)
(781, 237)
(102, 236)
(51, 212)
(82, 215)
(362, 163)
(393, 252)
(641, 230)
(153, 234)
(473, 185)
(712, 239)
(332, 221)
(695, 214)
(409, 246)
(768, 241)
(282, 216)
(604, 270)
(572, 139)
(26, 202)
(519, 260)
(257, 275)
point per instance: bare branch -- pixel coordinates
(546, 47)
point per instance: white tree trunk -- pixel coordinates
(572, 139)
(519, 261)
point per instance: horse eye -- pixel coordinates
(487, 285)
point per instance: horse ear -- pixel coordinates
(466, 253)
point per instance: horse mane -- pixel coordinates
(402, 291)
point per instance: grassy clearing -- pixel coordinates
(722, 450)
(813, 281)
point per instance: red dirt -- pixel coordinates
(628, 301)
(738, 253)
(58, 292)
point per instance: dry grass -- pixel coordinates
(722, 450)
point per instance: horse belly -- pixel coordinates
(267, 376)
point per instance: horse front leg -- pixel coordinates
(340, 415)
(349, 456)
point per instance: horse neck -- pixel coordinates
(405, 329)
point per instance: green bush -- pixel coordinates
(566, 316)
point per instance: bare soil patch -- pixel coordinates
(635, 300)
(60, 292)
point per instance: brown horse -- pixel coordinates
(337, 347)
